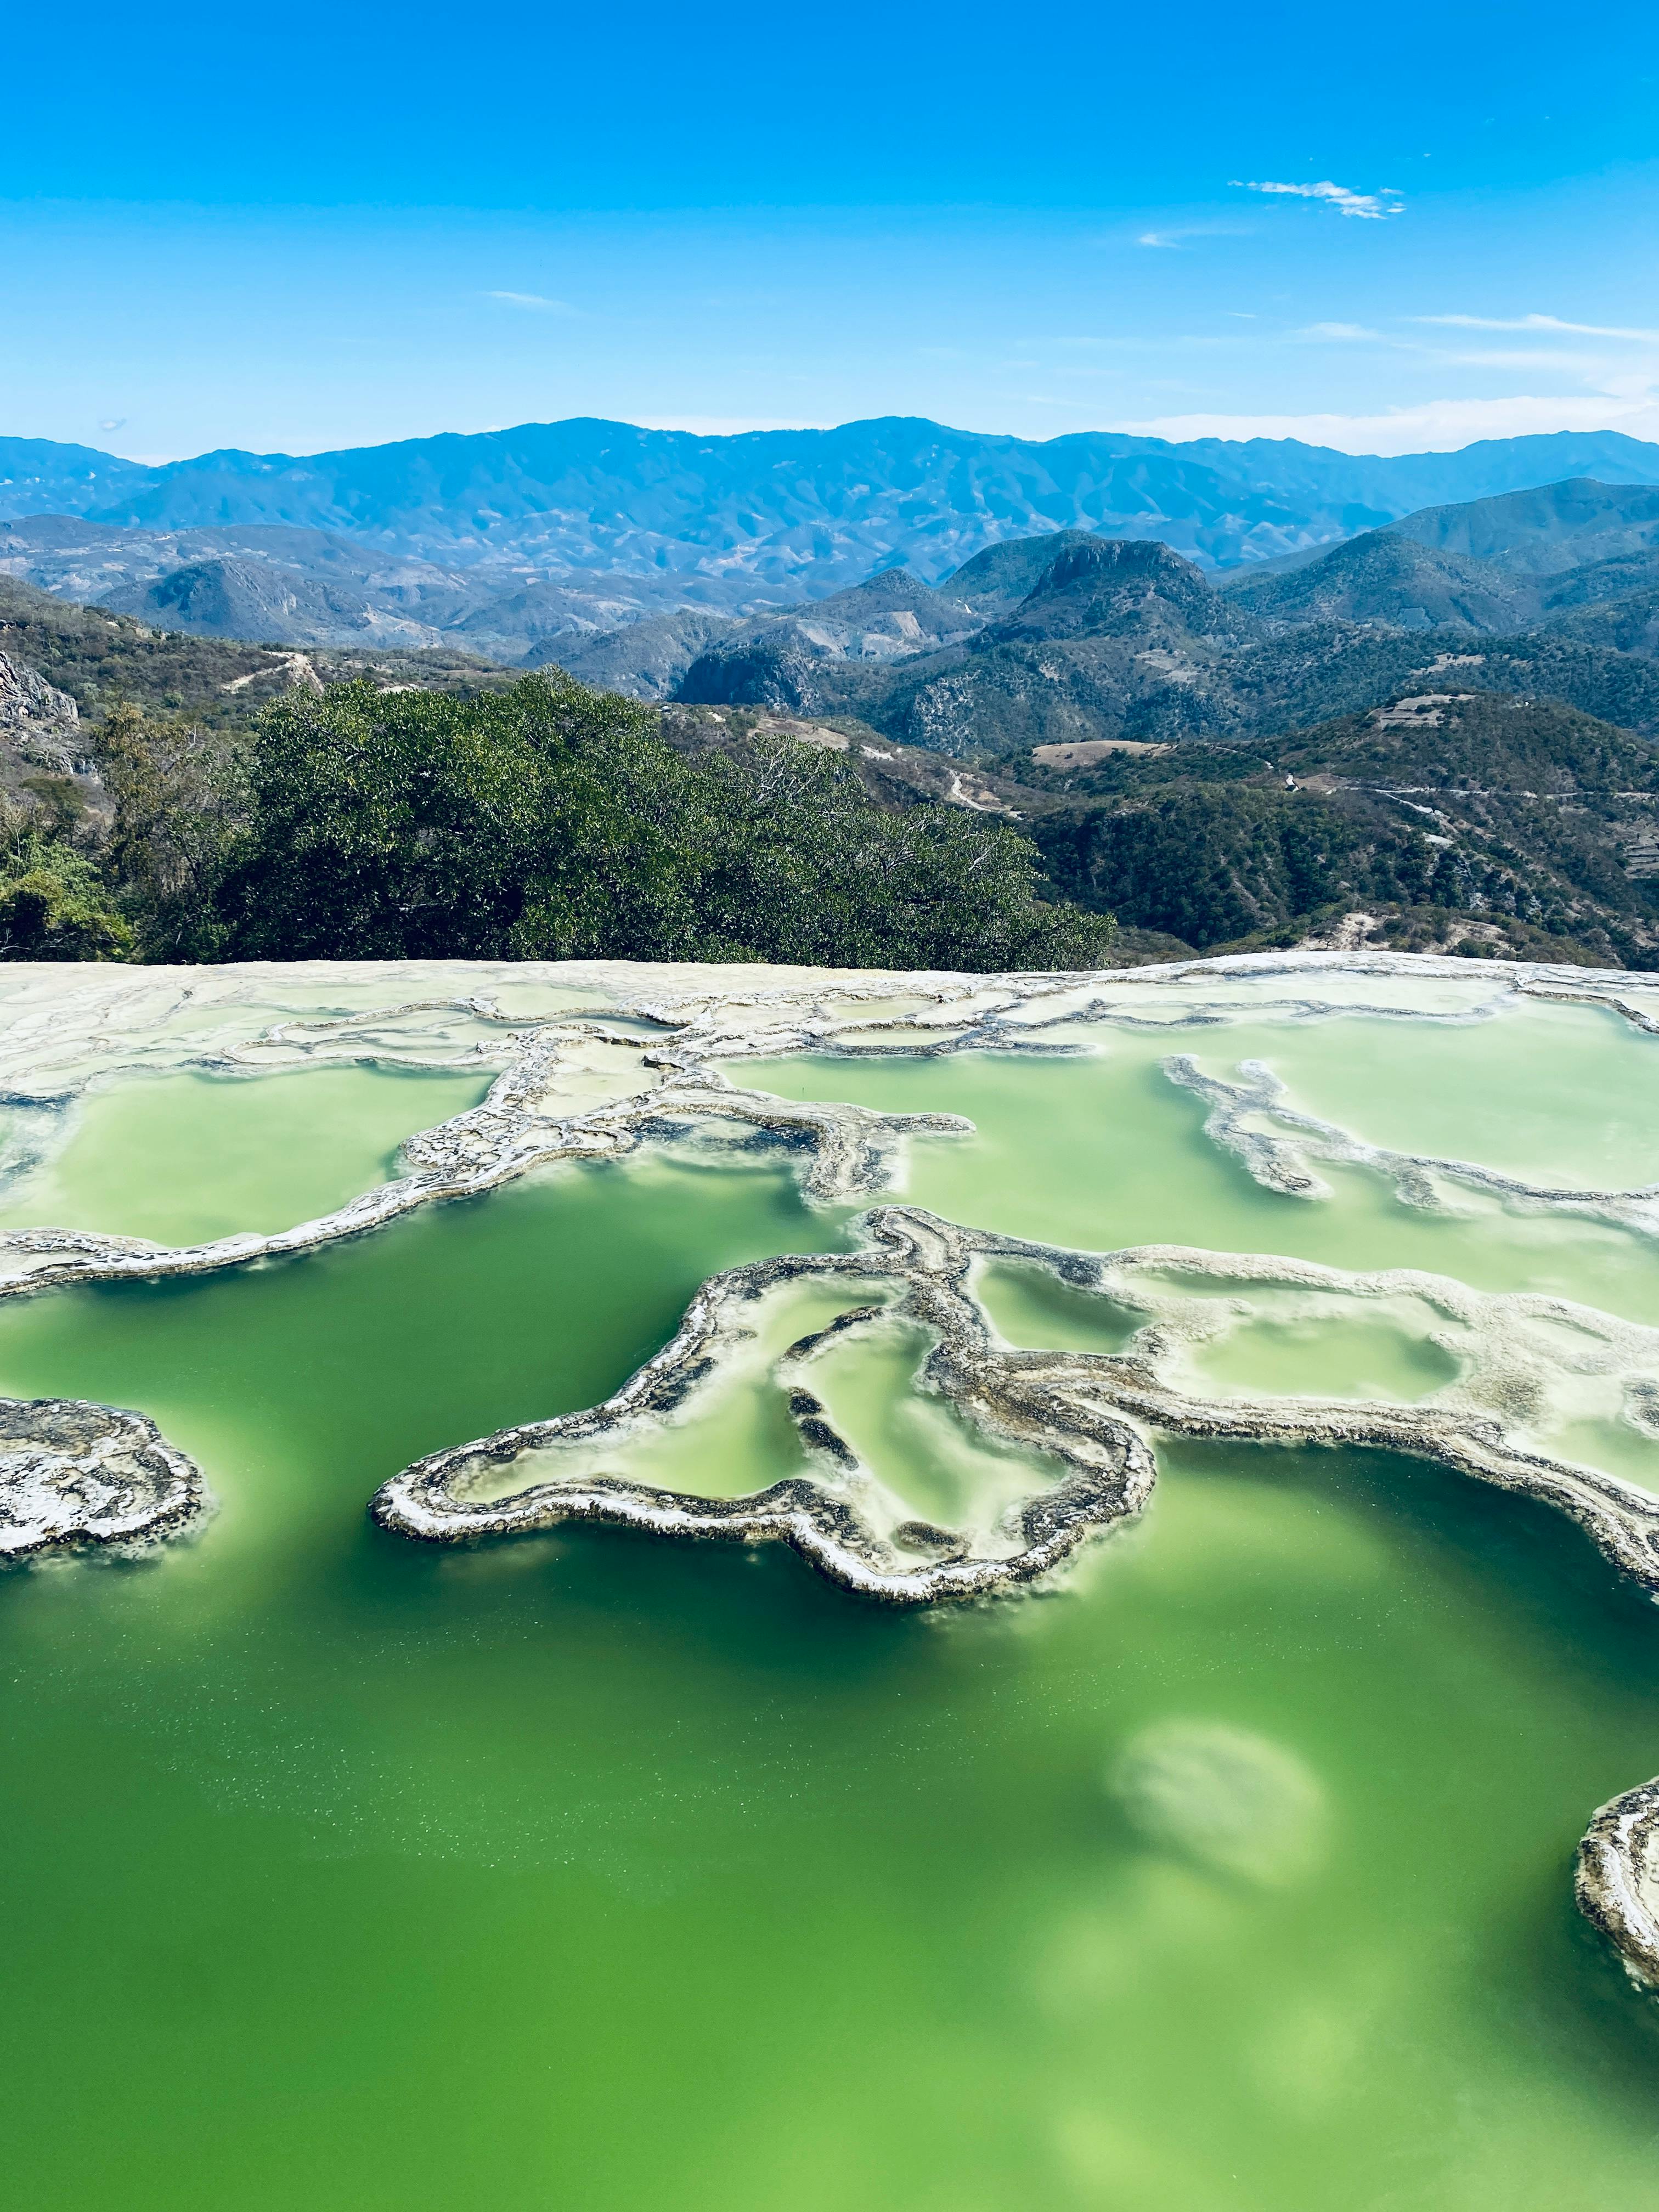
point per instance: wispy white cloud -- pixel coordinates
(1340, 330)
(119, 422)
(1373, 207)
(1594, 369)
(1175, 238)
(1435, 426)
(1622, 369)
(535, 302)
(1539, 323)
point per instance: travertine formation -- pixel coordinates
(1279, 1160)
(593, 1058)
(590, 1061)
(74, 1474)
(1617, 1879)
(1104, 1465)
(1090, 1413)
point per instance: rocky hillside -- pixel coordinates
(644, 660)
(1123, 641)
(1384, 577)
(1542, 556)
(278, 586)
(44, 758)
(254, 600)
(1447, 819)
(768, 658)
(1545, 528)
(96, 658)
(700, 580)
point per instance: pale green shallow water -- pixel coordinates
(1335, 1352)
(1100, 1151)
(185, 1158)
(343, 1875)
(1559, 1093)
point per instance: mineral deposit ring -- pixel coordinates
(75, 1473)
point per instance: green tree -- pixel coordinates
(551, 822)
(802, 865)
(54, 902)
(176, 794)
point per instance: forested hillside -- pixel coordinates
(1120, 639)
(1483, 822)
(98, 658)
(1074, 732)
(1534, 824)
(544, 821)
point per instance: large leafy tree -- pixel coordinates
(551, 822)
(410, 826)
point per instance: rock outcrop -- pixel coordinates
(27, 698)
(41, 721)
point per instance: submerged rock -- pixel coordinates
(1224, 1798)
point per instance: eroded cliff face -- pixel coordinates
(44, 754)
(30, 705)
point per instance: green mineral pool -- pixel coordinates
(1229, 1871)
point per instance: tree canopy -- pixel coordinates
(550, 822)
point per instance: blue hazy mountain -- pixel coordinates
(38, 476)
(815, 509)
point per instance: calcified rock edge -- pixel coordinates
(1087, 1412)
(590, 1061)
(74, 1474)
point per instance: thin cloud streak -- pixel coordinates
(1369, 207)
(535, 302)
(1591, 366)
(1174, 239)
(1435, 426)
(1539, 323)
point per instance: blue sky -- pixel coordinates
(327, 226)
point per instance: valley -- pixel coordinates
(1437, 732)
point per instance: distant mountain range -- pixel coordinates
(283, 586)
(724, 555)
(811, 510)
